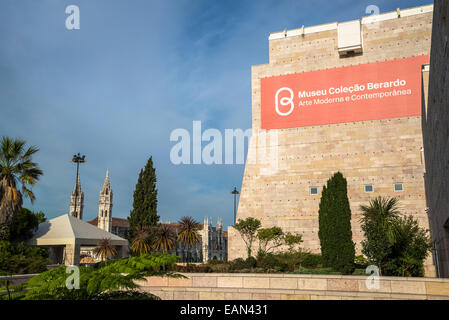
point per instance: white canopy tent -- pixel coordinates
(65, 235)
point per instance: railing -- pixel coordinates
(14, 280)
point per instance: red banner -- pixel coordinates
(381, 90)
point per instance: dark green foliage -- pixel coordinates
(275, 262)
(251, 262)
(21, 259)
(303, 270)
(337, 247)
(190, 267)
(15, 256)
(270, 239)
(411, 247)
(397, 245)
(107, 279)
(360, 261)
(144, 212)
(377, 223)
(24, 225)
(292, 241)
(127, 295)
(311, 260)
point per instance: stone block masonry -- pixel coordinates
(244, 286)
(375, 152)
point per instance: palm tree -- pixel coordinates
(141, 242)
(188, 231)
(165, 239)
(104, 250)
(384, 211)
(16, 166)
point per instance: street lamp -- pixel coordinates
(77, 158)
(235, 193)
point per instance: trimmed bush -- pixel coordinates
(337, 247)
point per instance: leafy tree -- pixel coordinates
(24, 225)
(292, 240)
(165, 239)
(16, 166)
(188, 231)
(105, 249)
(377, 223)
(116, 280)
(270, 239)
(337, 247)
(248, 231)
(144, 212)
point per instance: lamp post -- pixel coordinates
(77, 158)
(235, 193)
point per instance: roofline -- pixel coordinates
(364, 20)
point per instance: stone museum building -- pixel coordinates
(436, 138)
(341, 96)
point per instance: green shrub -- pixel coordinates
(397, 245)
(251, 262)
(237, 264)
(94, 283)
(215, 262)
(193, 268)
(302, 270)
(127, 295)
(311, 260)
(223, 267)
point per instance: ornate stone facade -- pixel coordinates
(379, 152)
(213, 244)
(105, 206)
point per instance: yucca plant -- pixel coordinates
(105, 249)
(165, 239)
(16, 167)
(188, 231)
(378, 221)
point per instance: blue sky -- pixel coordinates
(135, 71)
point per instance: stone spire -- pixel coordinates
(105, 206)
(77, 197)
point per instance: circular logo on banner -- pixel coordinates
(284, 101)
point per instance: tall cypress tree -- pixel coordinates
(337, 247)
(144, 212)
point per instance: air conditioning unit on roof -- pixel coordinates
(349, 38)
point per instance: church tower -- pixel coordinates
(77, 200)
(105, 206)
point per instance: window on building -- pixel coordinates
(369, 188)
(313, 190)
(398, 187)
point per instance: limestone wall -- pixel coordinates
(283, 164)
(232, 286)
